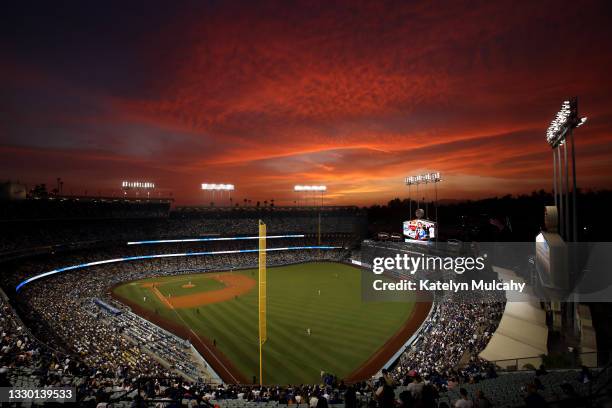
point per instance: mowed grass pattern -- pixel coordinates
(345, 331)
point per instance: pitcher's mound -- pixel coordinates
(188, 286)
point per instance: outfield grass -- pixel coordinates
(345, 332)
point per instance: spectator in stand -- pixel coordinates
(534, 399)
(571, 399)
(322, 403)
(388, 378)
(541, 371)
(385, 394)
(538, 384)
(350, 397)
(585, 376)
(481, 401)
(406, 399)
(429, 396)
(464, 400)
(416, 387)
(314, 400)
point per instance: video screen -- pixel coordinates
(419, 230)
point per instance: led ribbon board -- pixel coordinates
(171, 241)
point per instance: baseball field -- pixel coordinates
(316, 321)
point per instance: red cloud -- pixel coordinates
(352, 96)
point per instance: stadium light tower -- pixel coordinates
(314, 189)
(427, 178)
(311, 189)
(565, 121)
(213, 188)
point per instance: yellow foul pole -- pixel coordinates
(263, 335)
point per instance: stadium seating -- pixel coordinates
(73, 222)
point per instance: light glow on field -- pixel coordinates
(175, 255)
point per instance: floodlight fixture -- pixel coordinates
(566, 119)
(426, 178)
(217, 187)
(309, 188)
(559, 132)
(147, 185)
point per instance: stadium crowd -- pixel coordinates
(456, 331)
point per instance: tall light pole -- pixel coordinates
(565, 121)
(311, 189)
(409, 201)
(426, 178)
(314, 189)
(212, 188)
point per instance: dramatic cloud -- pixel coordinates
(265, 96)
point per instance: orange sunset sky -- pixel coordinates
(265, 95)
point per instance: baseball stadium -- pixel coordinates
(265, 298)
(306, 204)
